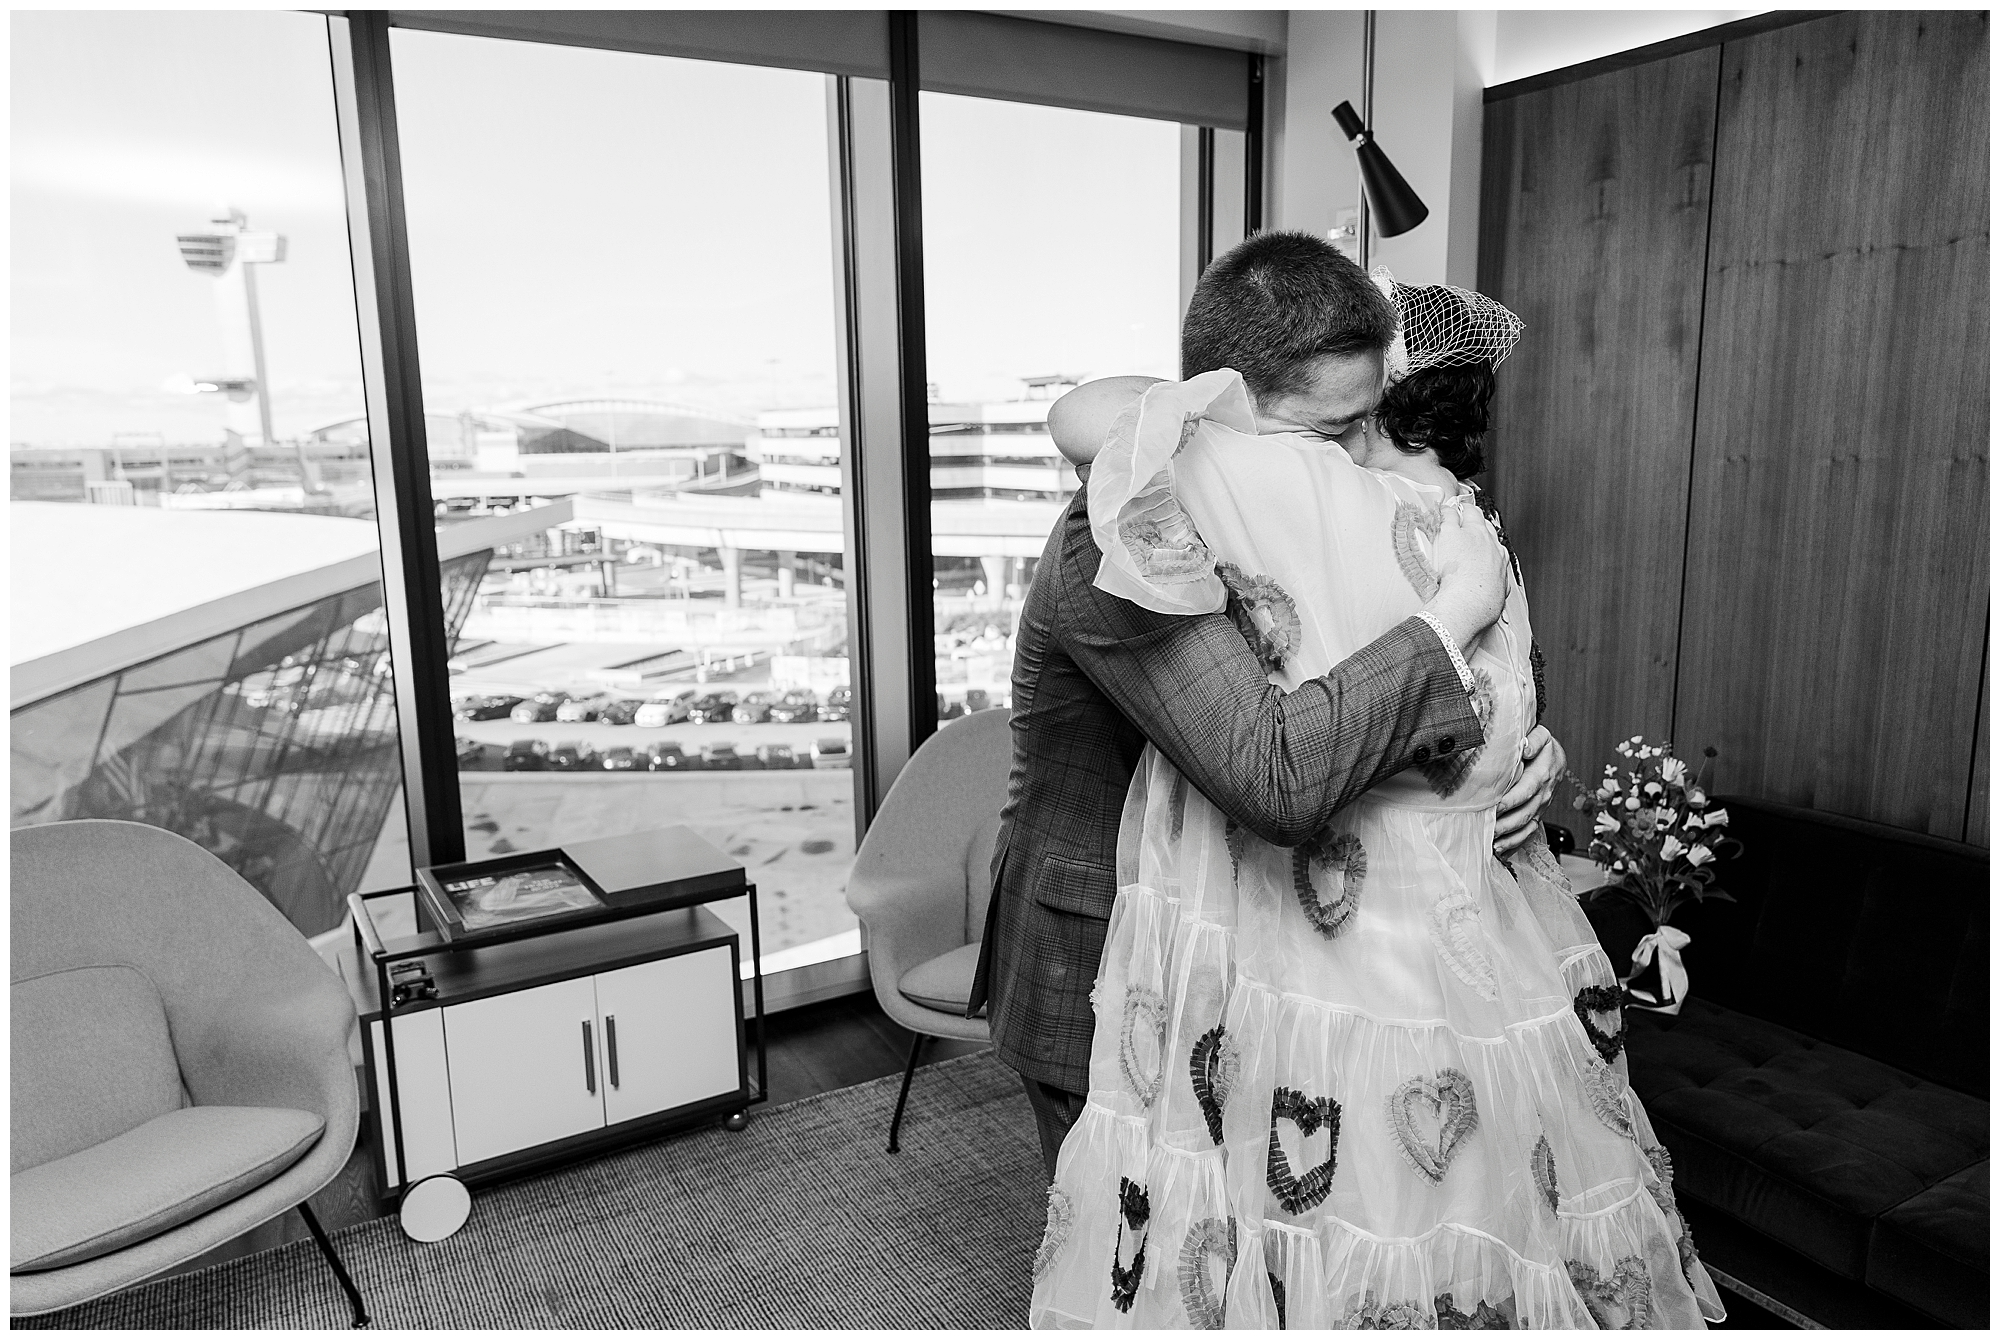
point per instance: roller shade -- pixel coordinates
(989, 56)
(983, 55)
(850, 42)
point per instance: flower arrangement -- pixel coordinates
(1654, 829)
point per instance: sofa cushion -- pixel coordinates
(92, 1059)
(156, 1177)
(943, 983)
(1930, 1251)
(1802, 1140)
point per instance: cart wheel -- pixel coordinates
(434, 1208)
(736, 1121)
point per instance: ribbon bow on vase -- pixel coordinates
(1665, 944)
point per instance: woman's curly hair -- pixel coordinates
(1443, 409)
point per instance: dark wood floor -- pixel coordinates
(813, 1049)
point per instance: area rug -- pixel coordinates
(799, 1221)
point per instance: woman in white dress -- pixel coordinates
(1375, 1080)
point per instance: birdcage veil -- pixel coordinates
(1444, 326)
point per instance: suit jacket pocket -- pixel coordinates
(1079, 887)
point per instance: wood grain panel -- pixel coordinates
(1978, 803)
(1837, 584)
(1593, 229)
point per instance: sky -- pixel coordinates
(581, 222)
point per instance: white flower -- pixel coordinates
(1695, 821)
(1607, 823)
(1631, 802)
(1696, 796)
(1653, 788)
(1715, 819)
(1611, 784)
(1671, 848)
(1700, 855)
(1674, 771)
(1665, 819)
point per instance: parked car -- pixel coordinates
(720, 757)
(620, 711)
(977, 700)
(664, 709)
(712, 707)
(620, 759)
(777, 756)
(831, 752)
(668, 756)
(486, 706)
(572, 756)
(583, 709)
(754, 707)
(949, 708)
(541, 707)
(839, 699)
(471, 755)
(797, 705)
(526, 756)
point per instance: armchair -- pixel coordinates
(923, 877)
(180, 1062)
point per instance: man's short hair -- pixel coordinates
(1277, 302)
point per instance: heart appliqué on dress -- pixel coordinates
(1601, 1000)
(1622, 1303)
(1663, 1190)
(1145, 1014)
(1448, 772)
(1484, 1317)
(1161, 538)
(1212, 1070)
(1605, 1089)
(1336, 855)
(1264, 613)
(1134, 1209)
(1454, 926)
(1449, 1102)
(1411, 519)
(1055, 1232)
(1235, 837)
(1542, 1163)
(1201, 1295)
(1299, 1194)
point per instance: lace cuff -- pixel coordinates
(1450, 648)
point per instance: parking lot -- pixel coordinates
(497, 735)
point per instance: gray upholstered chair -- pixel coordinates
(180, 1062)
(922, 879)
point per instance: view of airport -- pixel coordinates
(628, 351)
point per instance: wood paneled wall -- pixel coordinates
(1824, 472)
(1594, 224)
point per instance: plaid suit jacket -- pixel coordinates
(1095, 679)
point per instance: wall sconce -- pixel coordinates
(1394, 207)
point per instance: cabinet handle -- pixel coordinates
(589, 1061)
(611, 1048)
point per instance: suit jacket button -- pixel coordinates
(1423, 754)
(1446, 745)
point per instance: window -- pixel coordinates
(198, 640)
(625, 304)
(1052, 254)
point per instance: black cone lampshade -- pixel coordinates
(1396, 207)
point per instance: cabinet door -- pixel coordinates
(674, 1025)
(526, 1068)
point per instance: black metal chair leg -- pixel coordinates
(896, 1126)
(339, 1270)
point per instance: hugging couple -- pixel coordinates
(1314, 1031)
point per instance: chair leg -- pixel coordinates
(339, 1270)
(896, 1125)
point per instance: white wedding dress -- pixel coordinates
(1374, 1080)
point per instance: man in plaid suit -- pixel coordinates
(1096, 678)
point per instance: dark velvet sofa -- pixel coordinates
(1824, 1091)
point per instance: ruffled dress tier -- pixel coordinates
(1376, 1079)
